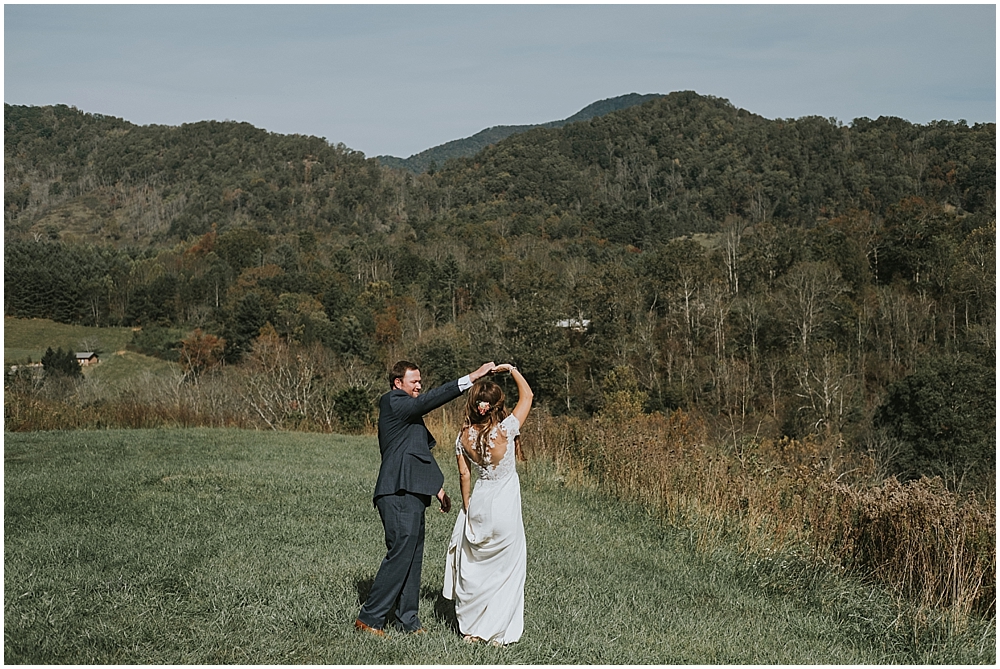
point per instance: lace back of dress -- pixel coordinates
(495, 465)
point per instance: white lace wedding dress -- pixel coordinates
(487, 557)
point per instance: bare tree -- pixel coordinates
(760, 207)
(719, 303)
(809, 290)
(486, 331)
(416, 317)
(373, 264)
(732, 235)
(751, 309)
(826, 387)
(279, 384)
(648, 351)
(905, 323)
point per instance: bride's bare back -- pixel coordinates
(496, 450)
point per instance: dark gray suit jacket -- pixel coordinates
(406, 443)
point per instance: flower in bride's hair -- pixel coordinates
(483, 407)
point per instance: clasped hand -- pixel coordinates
(490, 368)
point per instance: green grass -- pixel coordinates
(226, 546)
(118, 368)
(26, 338)
(29, 337)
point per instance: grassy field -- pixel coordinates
(226, 546)
(25, 338)
(29, 337)
(122, 366)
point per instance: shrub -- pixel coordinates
(354, 409)
(157, 342)
(944, 414)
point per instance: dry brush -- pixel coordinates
(820, 501)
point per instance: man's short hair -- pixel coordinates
(399, 370)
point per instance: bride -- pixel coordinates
(487, 557)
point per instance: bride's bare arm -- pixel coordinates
(465, 480)
(524, 394)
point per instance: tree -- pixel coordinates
(60, 363)
(249, 317)
(300, 317)
(767, 254)
(810, 289)
(945, 415)
(826, 388)
(241, 248)
(538, 347)
(200, 353)
(732, 235)
(918, 236)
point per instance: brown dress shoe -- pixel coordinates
(361, 627)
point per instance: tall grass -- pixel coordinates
(278, 387)
(27, 409)
(820, 501)
(250, 547)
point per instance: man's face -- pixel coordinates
(410, 383)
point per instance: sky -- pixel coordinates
(398, 79)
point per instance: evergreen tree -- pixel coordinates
(61, 363)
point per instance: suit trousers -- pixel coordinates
(397, 582)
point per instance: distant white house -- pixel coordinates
(86, 358)
(575, 324)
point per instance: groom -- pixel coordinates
(407, 480)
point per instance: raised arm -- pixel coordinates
(409, 407)
(524, 394)
(486, 368)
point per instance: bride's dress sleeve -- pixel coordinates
(511, 427)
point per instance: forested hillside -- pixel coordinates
(777, 277)
(466, 147)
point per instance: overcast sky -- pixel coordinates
(397, 79)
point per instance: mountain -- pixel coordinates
(679, 164)
(688, 163)
(781, 275)
(469, 146)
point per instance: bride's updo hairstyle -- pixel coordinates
(484, 410)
